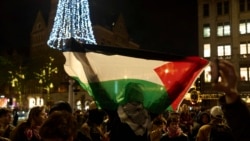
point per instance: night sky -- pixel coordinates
(159, 25)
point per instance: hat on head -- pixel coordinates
(61, 106)
(216, 112)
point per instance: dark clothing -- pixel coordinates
(122, 132)
(7, 132)
(197, 124)
(23, 132)
(238, 118)
(95, 134)
(81, 137)
(15, 119)
(182, 137)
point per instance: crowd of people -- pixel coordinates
(132, 122)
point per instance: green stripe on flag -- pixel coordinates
(110, 94)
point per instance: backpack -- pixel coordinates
(220, 132)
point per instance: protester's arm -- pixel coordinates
(4, 139)
(228, 83)
(235, 109)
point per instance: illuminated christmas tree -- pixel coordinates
(72, 20)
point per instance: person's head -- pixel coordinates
(203, 118)
(216, 113)
(60, 126)
(184, 108)
(37, 115)
(159, 121)
(96, 116)
(5, 116)
(173, 121)
(61, 106)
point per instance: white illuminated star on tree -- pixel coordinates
(72, 20)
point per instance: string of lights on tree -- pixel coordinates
(72, 20)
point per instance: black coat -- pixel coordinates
(122, 132)
(182, 137)
(238, 118)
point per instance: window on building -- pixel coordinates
(223, 7)
(219, 8)
(207, 75)
(206, 30)
(226, 29)
(223, 29)
(244, 73)
(244, 26)
(220, 29)
(207, 50)
(224, 51)
(226, 7)
(248, 5)
(244, 49)
(242, 5)
(206, 10)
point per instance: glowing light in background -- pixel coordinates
(72, 20)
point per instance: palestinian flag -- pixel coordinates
(110, 74)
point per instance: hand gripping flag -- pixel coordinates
(108, 74)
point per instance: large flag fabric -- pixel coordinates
(107, 73)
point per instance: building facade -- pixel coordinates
(224, 33)
(117, 37)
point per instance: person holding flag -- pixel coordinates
(234, 108)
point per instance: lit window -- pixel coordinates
(223, 29)
(207, 50)
(244, 50)
(248, 48)
(227, 29)
(244, 26)
(207, 74)
(224, 50)
(220, 51)
(220, 30)
(244, 73)
(206, 30)
(227, 50)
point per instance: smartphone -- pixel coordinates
(215, 70)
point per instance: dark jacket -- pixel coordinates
(182, 137)
(122, 132)
(238, 118)
(21, 133)
(197, 124)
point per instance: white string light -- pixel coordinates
(72, 20)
